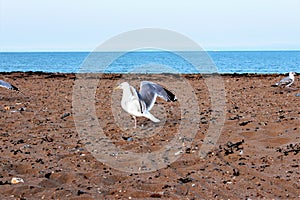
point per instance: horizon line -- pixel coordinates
(148, 50)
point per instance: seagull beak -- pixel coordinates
(117, 88)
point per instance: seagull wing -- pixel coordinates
(8, 86)
(149, 91)
(284, 81)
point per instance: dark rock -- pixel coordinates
(185, 180)
(244, 123)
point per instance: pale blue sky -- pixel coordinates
(82, 25)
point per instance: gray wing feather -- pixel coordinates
(149, 91)
(284, 81)
(8, 86)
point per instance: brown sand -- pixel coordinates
(257, 154)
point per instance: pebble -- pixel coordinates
(262, 123)
(22, 109)
(16, 180)
(65, 115)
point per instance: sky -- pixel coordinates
(82, 25)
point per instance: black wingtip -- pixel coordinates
(14, 88)
(171, 96)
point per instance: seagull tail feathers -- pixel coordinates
(151, 117)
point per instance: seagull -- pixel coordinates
(287, 81)
(8, 86)
(138, 104)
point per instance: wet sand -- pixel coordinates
(256, 155)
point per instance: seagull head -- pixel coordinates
(122, 86)
(291, 74)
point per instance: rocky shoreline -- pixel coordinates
(256, 155)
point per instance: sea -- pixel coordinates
(183, 62)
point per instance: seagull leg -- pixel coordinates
(134, 117)
(21, 93)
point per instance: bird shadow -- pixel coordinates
(287, 88)
(290, 89)
(9, 98)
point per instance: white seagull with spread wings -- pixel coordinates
(138, 104)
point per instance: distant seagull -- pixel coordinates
(8, 86)
(138, 104)
(287, 81)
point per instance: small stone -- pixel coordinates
(16, 180)
(262, 123)
(22, 109)
(241, 152)
(244, 123)
(6, 107)
(65, 115)
(178, 152)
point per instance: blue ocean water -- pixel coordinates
(261, 62)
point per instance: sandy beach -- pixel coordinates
(255, 157)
